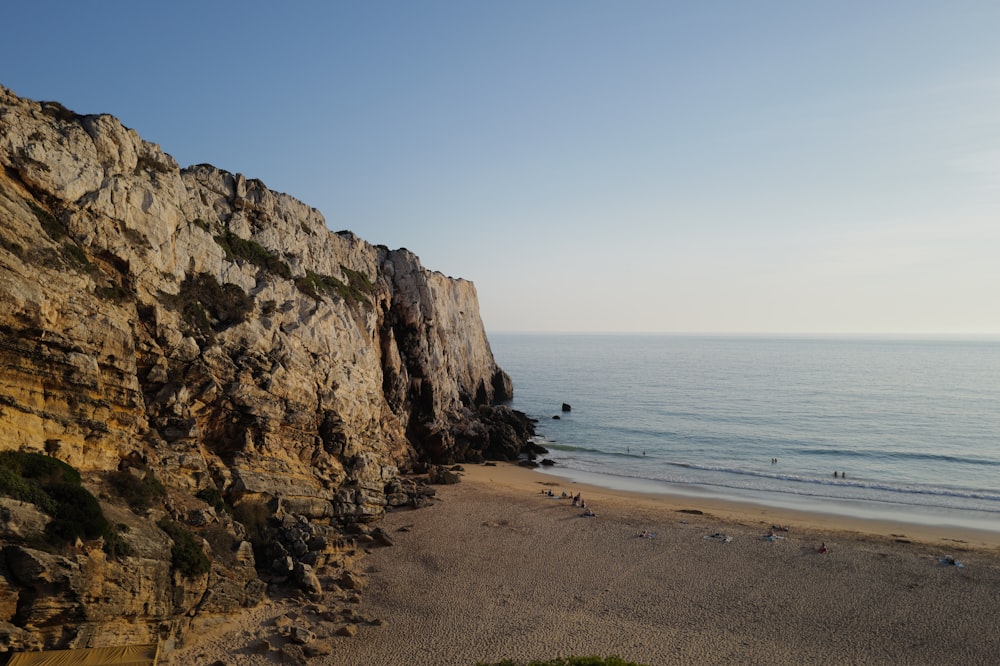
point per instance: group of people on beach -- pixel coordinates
(646, 534)
(577, 501)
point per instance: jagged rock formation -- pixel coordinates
(194, 325)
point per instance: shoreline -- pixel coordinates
(494, 569)
(742, 510)
(884, 510)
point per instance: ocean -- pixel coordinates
(898, 429)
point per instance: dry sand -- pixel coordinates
(494, 570)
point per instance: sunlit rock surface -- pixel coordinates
(194, 325)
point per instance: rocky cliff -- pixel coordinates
(193, 331)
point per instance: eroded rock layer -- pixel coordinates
(192, 325)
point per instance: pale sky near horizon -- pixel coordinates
(629, 166)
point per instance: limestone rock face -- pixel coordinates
(195, 324)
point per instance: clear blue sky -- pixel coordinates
(801, 167)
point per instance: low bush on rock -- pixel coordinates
(54, 487)
(38, 468)
(207, 306)
(12, 484)
(213, 498)
(315, 285)
(50, 225)
(138, 493)
(78, 514)
(356, 290)
(250, 251)
(186, 555)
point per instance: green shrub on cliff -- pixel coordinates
(354, 291)
(59, 112)
(359, 283)
(37, 468)
(213, 498)
(207, 306)
(54, 487)
(17, 487)
(139, 493)
(50, 225)
(76, 257)
(78, 514)
(186, 555)
(150, 163)
(252, 252)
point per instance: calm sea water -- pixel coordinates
(912, 425)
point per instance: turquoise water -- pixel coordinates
(912, 425)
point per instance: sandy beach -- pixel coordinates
(496, 569)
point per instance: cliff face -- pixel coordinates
(194, 325)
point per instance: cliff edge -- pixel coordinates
(191, 336)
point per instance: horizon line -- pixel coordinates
(782, 334)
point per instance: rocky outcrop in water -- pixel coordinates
(193, 328)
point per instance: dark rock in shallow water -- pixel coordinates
(528, 463)
(532, 447)
(566, 407)
(548, 462)
(556, 417)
